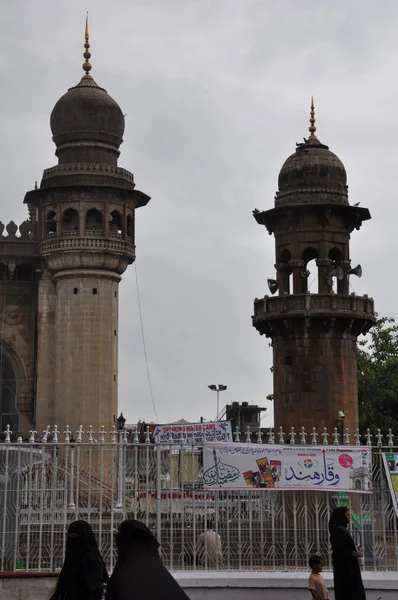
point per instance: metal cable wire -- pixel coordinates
(143, 343)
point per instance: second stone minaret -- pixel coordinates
(313, 329)
(85, 207)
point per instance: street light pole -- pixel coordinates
(217, 388)
(121, 421)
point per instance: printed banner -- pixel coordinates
(254, 466)
(194, 433)
(391, 468)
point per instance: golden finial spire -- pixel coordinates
(87, 55)
(312, 128)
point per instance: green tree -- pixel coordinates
(377, 361)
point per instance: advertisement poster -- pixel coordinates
(193, 433)
(255, 466)
(391, 468)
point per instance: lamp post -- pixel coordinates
(121, 421)
(72, 441)
(340, 426)
(218, 388)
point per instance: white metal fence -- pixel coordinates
(46, 483)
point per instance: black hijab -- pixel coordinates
(80, 543)
(134, 535)
(338, 518)
(138, 563)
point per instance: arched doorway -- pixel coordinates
(8, 395)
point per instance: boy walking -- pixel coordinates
(316, 583)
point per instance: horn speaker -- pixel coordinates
(273, 285)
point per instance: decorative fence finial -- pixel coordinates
(325, 437)
(379, 438)
(390, 438)
(271, 437)
(248, 435)
(281, 436)
(368, 437)
(237, 434)
(67, 434)
(357, 437)
(19, 440)
(32, 436)
(46, 433)
(292, 436)
(259, 437)
(314, 436)
(79, 434)
(7, 433)
(303, 437)
(347, 437)
(335, 436)
(55, 435)
(90, 434)
(148, 436)
(102, 433)
(113, 434)
(136, 438)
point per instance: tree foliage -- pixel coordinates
(377, 361)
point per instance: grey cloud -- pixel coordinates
(216, 95)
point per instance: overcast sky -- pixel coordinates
(216, 93)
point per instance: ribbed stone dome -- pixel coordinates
(312, 165)
(313, 174)
(86, 114)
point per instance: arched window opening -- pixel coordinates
(50, 224)
(116, 223)
(130, 227)
(8, 395)
(70, 221)
(309, 271)
(4, 272)
(24, 272)
(285, 275)
(337, 283)
(93, 221)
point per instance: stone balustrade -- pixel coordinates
(313, 305)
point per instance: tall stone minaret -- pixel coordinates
(86, 206)
(313, 328)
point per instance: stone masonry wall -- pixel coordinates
(314, 378)
(86, 325)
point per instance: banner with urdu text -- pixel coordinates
(390, 461)
(274, 467)
(193, 433)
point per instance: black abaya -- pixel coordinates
(83, 573)
(139, 572)
(346, 571)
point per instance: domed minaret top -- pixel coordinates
(86, 123)
(313, 174)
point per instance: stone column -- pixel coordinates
(106, 220)
(86, 326)
(324, 280)
(45, 394)
(343, 286)
(282, 277)
(299, 285)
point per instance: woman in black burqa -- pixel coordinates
(83, 575)
(346, 572)
(139, 573)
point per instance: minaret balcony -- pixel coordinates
(92, 242)
(327, 307)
